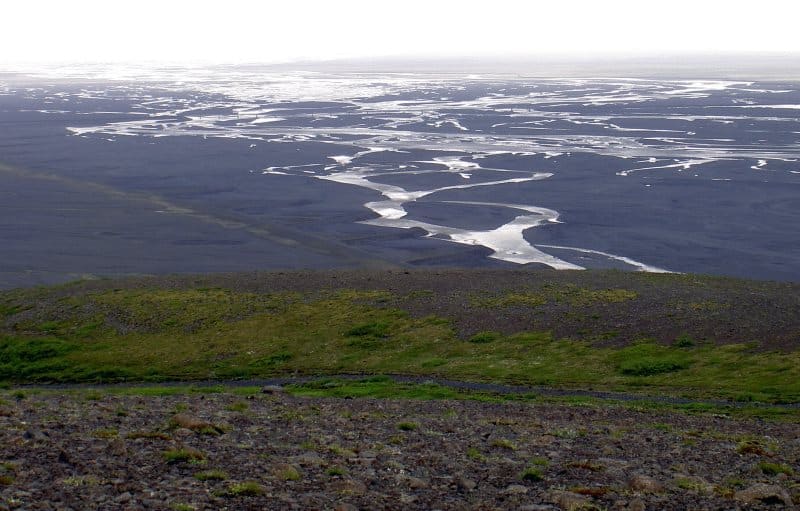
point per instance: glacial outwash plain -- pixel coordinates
(251, 287)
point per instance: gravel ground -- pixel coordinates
(88, 448)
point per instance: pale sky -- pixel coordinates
(235, 31)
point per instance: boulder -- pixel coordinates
(762, 493)
(645, 484)
(569, 501)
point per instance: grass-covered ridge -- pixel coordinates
(154, 330)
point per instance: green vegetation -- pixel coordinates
(532, 474)
(149, 435)
(153, 335)
(753, 446)
(289, 473)
(475, 454)
(772, 469)
(182, 455)
(336, 471)
(569, 294)
(238, 406)
(85, 480)
(407, 426)
(485, 337)
(211, 475)
(105, 433)
(504, 443)
(245, 489)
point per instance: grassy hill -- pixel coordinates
(673, 334)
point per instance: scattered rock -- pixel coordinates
(407, 499)
(412, 482)
(693, 483)
(645, 484)
(352, 457)
(636, 505)
(124, 498)
(35, 435)
(761, 493)
(568, 501)
(117, 447)
(63, 457)
(349, 487)
(516, 489)
(465, 484)
(309, 460)
(182, 420)
(272, 389)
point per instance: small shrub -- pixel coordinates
(341, 451)
(87, 480)
(377, 329)
(653, 366)
(336, 471)
(407, 426)
(197, 425)
(568, 433)
(684, 341)
(522, 299)
(186, 454)
(540, 462)
(245, 489)
(105, 433)
(594, 491)
(308, 445)
(772, 469)
(211, 475)
(278, 358)
(6, 479)
(485, 337)
(239, 406)
(690, 484)
(181, 506)
(588, 465)
(150, 435)
(289, 474)
(210, 430)
(752, 447)
(736, 482)
(504, 443)
(532, 474)
(207, 389)
(475, 454)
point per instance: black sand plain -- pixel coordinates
(81, 206)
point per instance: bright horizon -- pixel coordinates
(238, 31)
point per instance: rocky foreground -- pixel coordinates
(90, 449)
